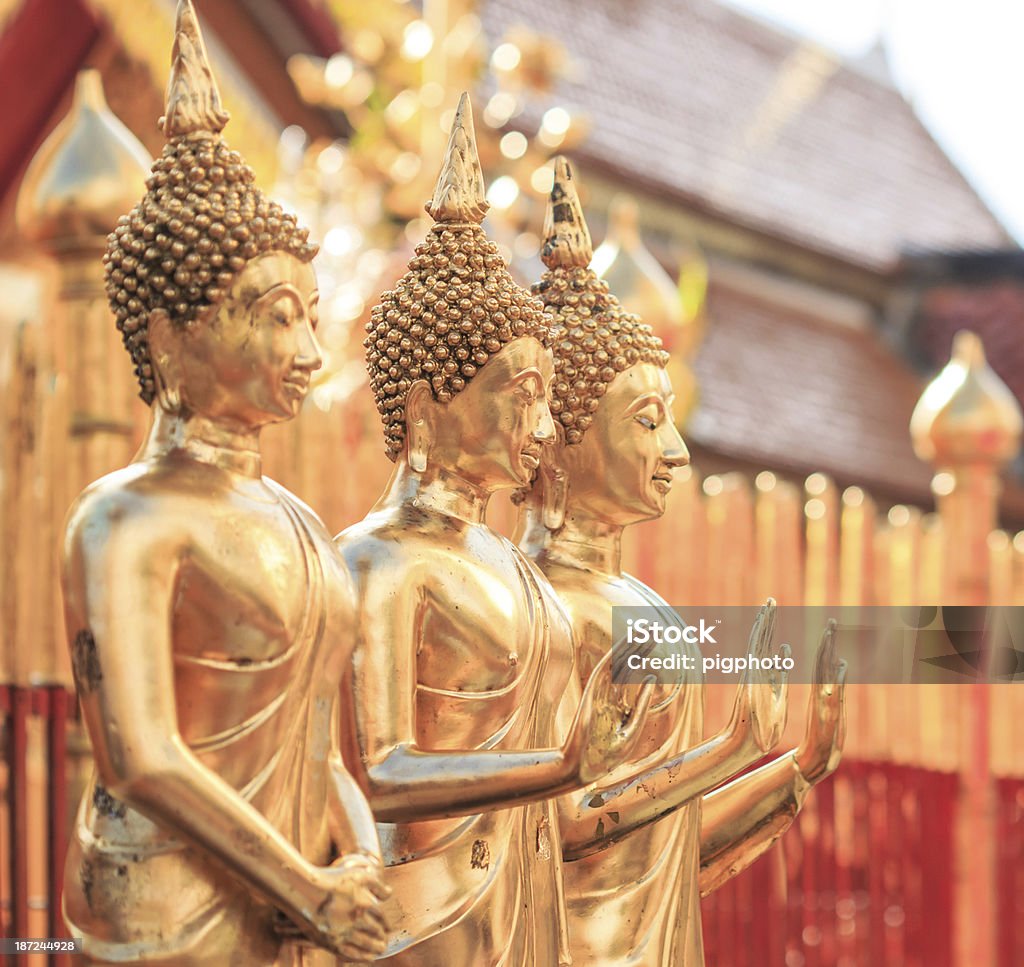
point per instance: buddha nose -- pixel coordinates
(544, 431)
(674, 452)
(309, 356)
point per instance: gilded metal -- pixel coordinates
(967, 414)
(207, 610)
(638, 854)
(81, 178)
(465, 709)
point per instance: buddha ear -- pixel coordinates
(165, 358)
(554, 481)
(419, 430)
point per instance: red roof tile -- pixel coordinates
(802, 394)
(698, 101)
(994, 311)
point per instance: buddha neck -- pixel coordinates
(228, 446)
(439, 491)
(582, 542)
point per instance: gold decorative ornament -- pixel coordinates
(207, 611)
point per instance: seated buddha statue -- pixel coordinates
(463, 653)
(643, 843)
(208, 614)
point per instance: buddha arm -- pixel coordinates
(604, 813)
(352, 823)
(119, 578)
(743, 819)
(353, 827)
(403, 782)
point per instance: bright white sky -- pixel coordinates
(960, 62)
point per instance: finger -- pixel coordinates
(825, 661)
(360, 952)
(755, 632)
(840, 741)
(369, 929)
(644, 699)
(284, 926)
(369, 911)
(781, 687)
(288, 931)
(767, 630)
(379, 888)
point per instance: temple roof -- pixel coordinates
(730, 107)
(767, 374)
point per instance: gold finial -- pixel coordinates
(676, 311)
(193, 101)
(635, 275)
(88, 171)
(459, 193)
(566, 236)
(966, 414)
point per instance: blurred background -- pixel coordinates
(816, 207)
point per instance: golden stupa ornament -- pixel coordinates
(967, 414)
(676, 311)
(79, 180)
(456, 306)
(207, 612)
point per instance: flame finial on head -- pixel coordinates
(566, 236)
(595, 337)
(456, 307)
(201, 220)
(193, 101)
(459, 193)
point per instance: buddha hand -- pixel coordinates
(822, 746)
(349, 921)
(759, 715)
(608, 723)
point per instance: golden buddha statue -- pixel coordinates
(463, 652)
(205, 605)
(635, 872)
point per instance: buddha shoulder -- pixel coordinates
(145, 502)
(379, 549)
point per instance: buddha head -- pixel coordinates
(457, 352)
(210, 282)
(611, 396)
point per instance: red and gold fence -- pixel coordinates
(863, 878)
(34, 812)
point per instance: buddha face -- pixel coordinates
(490, 434)
(621, 471)
(250, 363)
